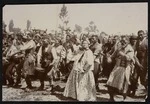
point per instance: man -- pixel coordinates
(21, 40)
(29, 62)
(115, 44)
(142, 55)
(71, 52)
(65, 64)
(13, 60)
(61, 55)
(135, 68)
(107, 67)
(45, 56)
(37, 39)
(96, 49)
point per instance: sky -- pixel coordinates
(112, 18)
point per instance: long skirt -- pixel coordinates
(80, 86)
(117, 79)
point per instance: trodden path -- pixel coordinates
(19, 94)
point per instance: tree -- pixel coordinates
(63, 15)
(28, 24)
(16, 30)
(87, 29)
(63, 12)
(11, 25)
(92, 27)
(4, 26)
(78, 28)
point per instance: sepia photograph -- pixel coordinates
(75, 52)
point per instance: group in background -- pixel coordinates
(79, 62)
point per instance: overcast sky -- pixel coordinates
(111, 18)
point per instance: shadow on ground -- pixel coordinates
(101, 99)
(63, 98)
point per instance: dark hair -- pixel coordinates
(140, 31)
(68, 36)
(95, 36)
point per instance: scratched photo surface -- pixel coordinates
(75, 52)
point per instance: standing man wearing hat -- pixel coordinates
(44, 59)
(29, 62)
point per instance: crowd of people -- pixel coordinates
(80, 62)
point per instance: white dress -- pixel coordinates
(81, 85)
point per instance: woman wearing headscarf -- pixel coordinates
(81, 84)
(119, 78)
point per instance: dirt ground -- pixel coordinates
(20, 94)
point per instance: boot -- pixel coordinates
(17, 84)
(28, 82)
(97, 88)
(52, 89)
(41, 88)
(124, 96)
(11, 82)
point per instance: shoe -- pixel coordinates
(31, 87)
(27, 89)
(145, 97)
(111, 100)
(10, 85)
(52, 89)
(97, 88)
(40, 89)
(17, 86)
(49, 89)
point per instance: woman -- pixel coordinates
(119, 78)
(81, 84)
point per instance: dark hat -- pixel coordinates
(133, 37)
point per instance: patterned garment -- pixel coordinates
(11, 51)
(120, 75)
(29, 64)
(81, 86)
(96, 49)
(117, 79)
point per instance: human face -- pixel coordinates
(114, 41)
(67, 38)
(141, 35)
(123, 41)
(45, 42)
(85, 44)
(93, 40)
(133, 41)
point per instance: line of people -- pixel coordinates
(79, 62)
